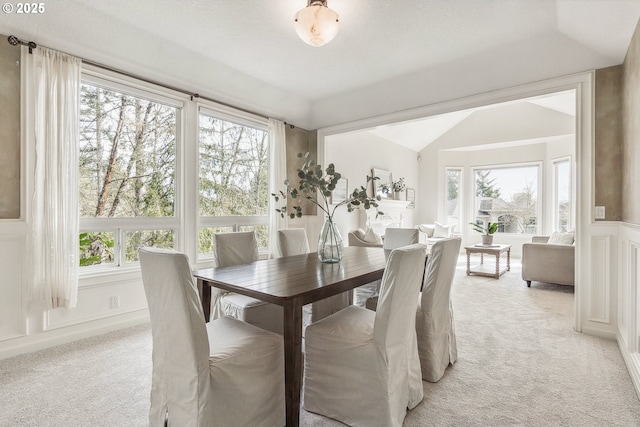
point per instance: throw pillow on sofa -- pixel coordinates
(562, 238)
(371, 237)
(441, 230)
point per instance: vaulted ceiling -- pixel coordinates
(389, 55)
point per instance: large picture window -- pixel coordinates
(509, 196)
(127, 180)
(233, 181)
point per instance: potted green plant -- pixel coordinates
(315, 186)
(487, 232)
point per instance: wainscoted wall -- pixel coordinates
(602, 272)
(628, 298)
(12, 249)
(628, 280)
(631, 132)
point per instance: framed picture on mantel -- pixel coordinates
(382, 185)
(411, 198)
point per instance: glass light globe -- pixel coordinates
(316, 24)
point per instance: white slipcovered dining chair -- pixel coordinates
(366, 295)
(234, 249)
(361, 366)
(223, 373)
(434, 317)
(293, 241)
(398, 237)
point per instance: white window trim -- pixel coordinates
(223, 112)
(554, 183)
(148, 91)
(461, 196)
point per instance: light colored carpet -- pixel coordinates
(520, 364)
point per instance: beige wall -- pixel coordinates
(299, 140)
(608, 141)
(631, 132)
(9, 130)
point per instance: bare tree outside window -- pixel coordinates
(233, 183)
(127, 170)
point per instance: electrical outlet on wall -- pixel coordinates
(600, 212)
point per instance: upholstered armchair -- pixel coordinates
(549, 259)
(358, 237)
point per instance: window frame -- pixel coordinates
(555, 203)
(539, 192)
(461, 201)
(235, 222)
(120, 226)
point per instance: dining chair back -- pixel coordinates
(200, 371)
(358, 352)
(235, 249)
(434, 317)
(293, 241)
(398, 237)
(393, 238)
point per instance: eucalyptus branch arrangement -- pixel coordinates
(315, 187)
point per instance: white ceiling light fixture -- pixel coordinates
(316, 24)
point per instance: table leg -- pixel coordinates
(498, 265)
(468, 264)
(293, 360)
(509, 259)
(205, 298)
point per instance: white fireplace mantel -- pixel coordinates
(394, 212)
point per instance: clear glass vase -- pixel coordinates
(330, 247)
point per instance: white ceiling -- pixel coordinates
(552, 116)
(389, 55)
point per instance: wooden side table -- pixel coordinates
(495, 250)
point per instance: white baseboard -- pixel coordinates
(632, 361)
(599, 333)
(39, 341)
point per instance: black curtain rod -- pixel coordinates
(14, 41)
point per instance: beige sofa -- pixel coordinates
(548, 262)
(432, 233)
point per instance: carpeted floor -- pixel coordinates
(520, 364)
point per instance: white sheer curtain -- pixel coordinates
(54, 100)
(277, 175)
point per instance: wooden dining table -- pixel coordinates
(292, 282)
